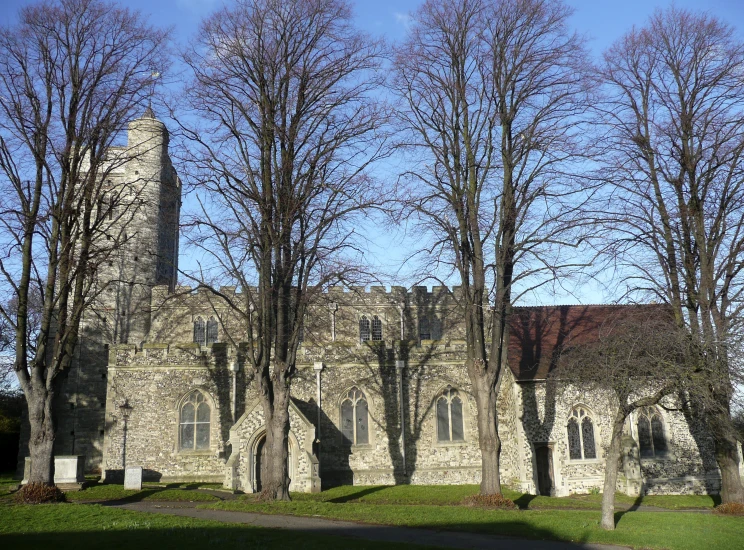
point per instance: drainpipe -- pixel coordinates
(234, 368)
(318, 368)
(402, 309)
(399, 366)
(333, 306)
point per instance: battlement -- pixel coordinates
(172, 355)
(187, 296)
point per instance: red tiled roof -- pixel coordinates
(539, 334)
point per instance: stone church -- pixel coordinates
(381, 396)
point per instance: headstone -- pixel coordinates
(26, 470)
(133, 478)
(69, 469)
(69, 472)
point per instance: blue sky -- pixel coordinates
(602, 21)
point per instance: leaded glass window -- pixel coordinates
(364, 332)
(200, 336)
(194, 423)
(574, 440)
(450, 426)
(355, 418)
(376, 328)
(580, 430)
(651, 436)
(587, 438)
(211, 330)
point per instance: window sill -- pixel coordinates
(363, 447)
(205, 452)
(585, 460)
(461, 443)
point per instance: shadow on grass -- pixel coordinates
(356, 495)
(524, 501)
(145, 536)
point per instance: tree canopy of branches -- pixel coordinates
(638, 358)
(289, 130)
(72, 73)
(492, 97)
(675, 115)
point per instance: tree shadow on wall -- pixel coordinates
(407, 390)
(538, 338)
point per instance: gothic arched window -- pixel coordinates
(449, 416)
(200, 335)
(194, 423)
(376, 328)
(581, 435)
(364, 332)
(211, 330)
(355, 418)
(651, 436)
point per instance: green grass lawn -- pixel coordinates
(104, 492)
(75, 526)
(454, 494)
(668, 530)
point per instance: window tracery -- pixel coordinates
(580, 429)
(355, 417)
(194, 423)
(450, 426)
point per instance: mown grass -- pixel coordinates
(74, 526)
(668, 530)
(106, 492)
(454, 494)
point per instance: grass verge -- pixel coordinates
(668, 530)
(455, 494)
(74, 526)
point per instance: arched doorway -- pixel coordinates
(544, 459)
(261, 463)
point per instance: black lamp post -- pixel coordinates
(126, 410)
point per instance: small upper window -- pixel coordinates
(424, 329)
(581, 435)
(364, 331)
(355, 418)
(430, 328)
(194, 423)
(200, 331)
(376, 328)
(211, 330)
(449, 416)
(651, 436)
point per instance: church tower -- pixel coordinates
(146, 198)
(143, 206)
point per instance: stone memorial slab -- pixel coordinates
(133, 478)
(69, 469)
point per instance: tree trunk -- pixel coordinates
(610, 480)
(277, 441)
(727, 457)
(41, 441)
(488, 438)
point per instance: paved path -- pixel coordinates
(379, 533)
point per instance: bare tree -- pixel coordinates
(638, 357)
(492, 94)
(675, 115)
(72, 73)
(288, 130)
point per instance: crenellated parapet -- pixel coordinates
(185, 354)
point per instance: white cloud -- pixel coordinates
(403, 19)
